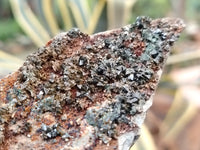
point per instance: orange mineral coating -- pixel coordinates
(5, 84)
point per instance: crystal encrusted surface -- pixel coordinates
(86, 92)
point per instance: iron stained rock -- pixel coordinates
(83, 91)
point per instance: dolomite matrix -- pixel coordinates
(81, 92)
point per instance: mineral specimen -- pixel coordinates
(86, 92)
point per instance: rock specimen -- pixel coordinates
(82, 92)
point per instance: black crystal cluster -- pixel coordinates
(74, 69)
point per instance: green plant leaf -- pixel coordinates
(8, 63)
(29, 22)
(181, 112)
(119, 12)
(145, 142)
(65, 14)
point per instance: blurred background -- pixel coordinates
(173, 122)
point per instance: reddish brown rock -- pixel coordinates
(86, 92)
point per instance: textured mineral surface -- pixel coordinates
(81, 92)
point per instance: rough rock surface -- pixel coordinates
(82, 92)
